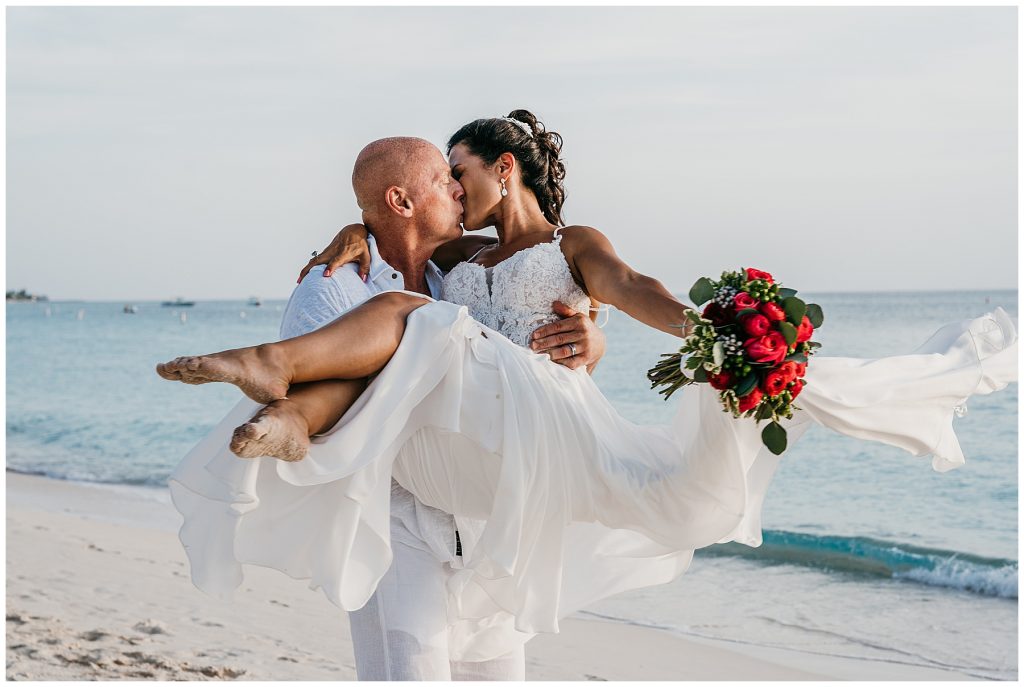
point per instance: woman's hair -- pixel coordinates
(534, 148)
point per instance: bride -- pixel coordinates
(578, 502)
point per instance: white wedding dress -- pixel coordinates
(568, 501)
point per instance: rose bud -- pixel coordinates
(805, 330)
(750, 400)
(773, 312)
(753, 274)
(744, 300)
(801, 369)
(721, 381)
(789, 370)
(755, 325)
(774, 383)
(718, 315)
(770, 348)
(796, 388)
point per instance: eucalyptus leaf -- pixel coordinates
(700, 375)
(795, 309)
(787, 293)
(693, 362)
(788, 332)
(797, 357)
(746, 384)
(815, 315)
(702, 291)
(774, 437)
(764, 412)
(746, 311)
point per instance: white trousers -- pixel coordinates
(402, 631)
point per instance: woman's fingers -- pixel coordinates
(313, 262)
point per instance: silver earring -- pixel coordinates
(504, 191)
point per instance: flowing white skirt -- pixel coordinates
(578, 503)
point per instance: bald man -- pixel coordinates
(410, 205)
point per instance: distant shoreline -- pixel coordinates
(681, 294)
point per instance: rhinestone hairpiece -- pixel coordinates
(522, 125)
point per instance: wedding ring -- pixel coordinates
(314, 253)
(572, 350)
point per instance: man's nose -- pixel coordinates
(458, 193)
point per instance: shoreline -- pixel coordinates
(78, 551)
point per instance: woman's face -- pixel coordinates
(481, 183)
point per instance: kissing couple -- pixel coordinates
(426, 445)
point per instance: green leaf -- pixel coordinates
(700, 374)
(693, 362)
(746, 311)
(788, 332)
(746, 384)
(798, 357)
(815, 315)
(764, 412)
(702, 291)
(774, 437)
(813, 344)
(795, 309)
(786, 293)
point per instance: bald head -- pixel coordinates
(398, 161)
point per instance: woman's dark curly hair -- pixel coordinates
(537, 153)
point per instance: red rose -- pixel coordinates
(796, 388)
(744, 300)
(750, 400)
(804, 331)
(753, 274)
(718, 315)
(770, 348)
(801, 369)
(755, 325)
(774, 382)
(773, 312)
(721, 381)
(789, 370)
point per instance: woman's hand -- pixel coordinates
(348, 246)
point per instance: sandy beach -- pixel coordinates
(98, 589)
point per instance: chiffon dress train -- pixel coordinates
(566, 501)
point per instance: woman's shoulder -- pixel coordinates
(580, 236)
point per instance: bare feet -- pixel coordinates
(278, 430)
(253, 370)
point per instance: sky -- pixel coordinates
(204, 152)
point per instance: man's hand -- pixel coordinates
(576, 329)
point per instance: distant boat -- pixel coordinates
(255, 301)
(130, 309)
(178, 303)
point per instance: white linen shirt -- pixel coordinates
(319, 300)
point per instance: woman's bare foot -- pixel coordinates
(254, 370)
(279, 430)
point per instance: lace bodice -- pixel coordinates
(514, 297)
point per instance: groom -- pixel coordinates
(411, 205)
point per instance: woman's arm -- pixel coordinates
(350, 246)
(609, 280)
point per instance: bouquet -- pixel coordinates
(751, 343)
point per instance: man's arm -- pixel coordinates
(317, 301)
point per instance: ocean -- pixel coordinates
(867, 552)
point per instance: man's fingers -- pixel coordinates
(556, 340)
(562, 310)
(560, 354)
(571, 363)
(570, 324)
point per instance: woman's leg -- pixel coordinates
(282, 428)
(354, 346)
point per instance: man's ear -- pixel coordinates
(398, 201)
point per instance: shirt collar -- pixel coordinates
(379, 267)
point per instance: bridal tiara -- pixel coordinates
(522, 125)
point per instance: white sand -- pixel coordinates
(98, 588)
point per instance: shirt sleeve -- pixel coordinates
(319, 300)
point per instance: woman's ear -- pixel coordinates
(505, 165)
(398, 201)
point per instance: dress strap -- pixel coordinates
(473, 256)
(557, 236)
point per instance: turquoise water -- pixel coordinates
(849, 526)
